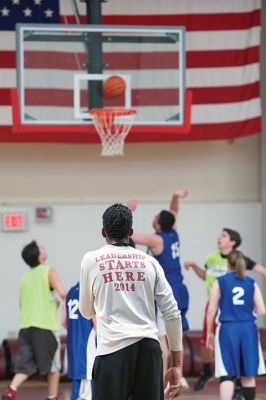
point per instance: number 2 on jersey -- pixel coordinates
(239, 292)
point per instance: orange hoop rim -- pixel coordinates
(109, 111)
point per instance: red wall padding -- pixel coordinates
(63, 352)
(3, 371)
(192, 355)
(10, 350)
(263, 342)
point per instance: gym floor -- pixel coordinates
(36, 390)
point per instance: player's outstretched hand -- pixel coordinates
(181, 193)
(172, 379)
(132, 204)
(188, 264)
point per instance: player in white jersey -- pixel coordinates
(120, 284)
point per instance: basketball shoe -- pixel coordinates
(9, 394)
(203, 379)
(238, 393)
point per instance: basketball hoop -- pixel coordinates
(112, 125)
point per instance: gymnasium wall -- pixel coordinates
(223, 180)
(77, 229)
(59, 173)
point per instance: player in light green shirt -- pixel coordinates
(39, 348)
(42, 312)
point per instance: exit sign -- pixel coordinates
(14, 221)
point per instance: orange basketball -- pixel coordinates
(114, 86)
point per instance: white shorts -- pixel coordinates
(56, 364)
(85, 389)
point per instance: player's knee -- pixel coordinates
(226, 378)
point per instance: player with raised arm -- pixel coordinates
(119, 284)
(164, 245)
(237, 345)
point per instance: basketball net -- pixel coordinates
(112, 125)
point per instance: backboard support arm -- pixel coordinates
(95, 54)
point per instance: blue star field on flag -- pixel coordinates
(28, 11)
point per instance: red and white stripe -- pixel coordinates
(223, 71)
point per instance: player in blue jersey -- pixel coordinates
(237, 346)
(164, 246)
(216, 265)
(80, 347)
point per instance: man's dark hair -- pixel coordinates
(235, 236)
(117, 221)
(166, 220)
(30, 254)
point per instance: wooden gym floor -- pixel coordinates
(36, 390)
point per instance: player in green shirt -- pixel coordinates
(39, 347)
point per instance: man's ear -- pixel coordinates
(130, 232)
(103, 233)
(234, 243)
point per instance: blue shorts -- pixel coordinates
(238, 350)
(75, 389)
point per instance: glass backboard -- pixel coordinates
(61, 72)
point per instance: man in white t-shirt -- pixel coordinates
(120, 284)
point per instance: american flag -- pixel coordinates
(223, 66)
(26, 11)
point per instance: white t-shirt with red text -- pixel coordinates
(120, 284)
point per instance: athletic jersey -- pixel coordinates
(170, 257)
(38, 307)
(120, 284)
(237, 298)
(216, 265)
(78, 331)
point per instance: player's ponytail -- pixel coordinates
(237, 263)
